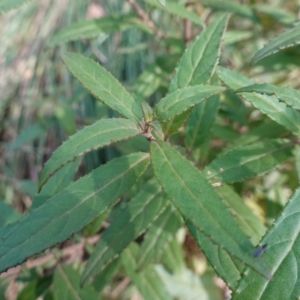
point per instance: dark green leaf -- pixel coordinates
(248, 161)
(70, 210)
(66, 285)
(101, 133)
(103, 85)
(281, 257)
(131, 221)
(198, 202)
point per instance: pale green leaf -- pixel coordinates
(66, 285)
(182, 99)
(248, 161)
(30, 134)
(101, 133)
(8, 214)
(197, 201)
(161, 232)
(6, 5)
(277, 13)
(288, 95)
(147, 282)
(173, 256)
(288, 38)
(200, 121)
(131, 221)
(269, 105)
(231, 6)
(178, 10)
(281, 257)
(103, 85)
(93, 28)
(188, 285)
(70, 210)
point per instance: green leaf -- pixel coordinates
(226, 267)
(188, 285)
(6, 5)
(93, 28)
(103, 85)
(200, 121)
(269, 105)
(233, 7)
(161, 232)
(8, 214)
(288, 38)
(126, 227)
(66, 285)
(148, 282)
(197, 201)
(248, 222)
(248, 161)
(106, 275)
(35, 288)
(70, 210)
(277, 13)
(288, 95)
(149, 81)
(266, 130)
(198, 63)
(281, 257)
(182, 99)
(178, 10)
(101, 133)
(30, 134)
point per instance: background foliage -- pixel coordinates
(210, 210)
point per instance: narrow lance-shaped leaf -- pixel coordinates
(248, 222)
(182, 99)
(66, 285)
(269, 105)
(277, 13)
(6, 5)
(160, 234)
(70, 210)
(179, 10)
(197, 201)
(93, 28)
(101, 133)
(198, 63)
(126, 227)
(288, 38)
(248, 161)
(103, 85)
(147, 282)
(288, 95)
(200, 121)
(227, 267)
(231, 6)
(281, 255)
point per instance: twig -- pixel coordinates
(73, 252)
(123, 284)
(145, 18)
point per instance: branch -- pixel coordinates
(145, 18)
